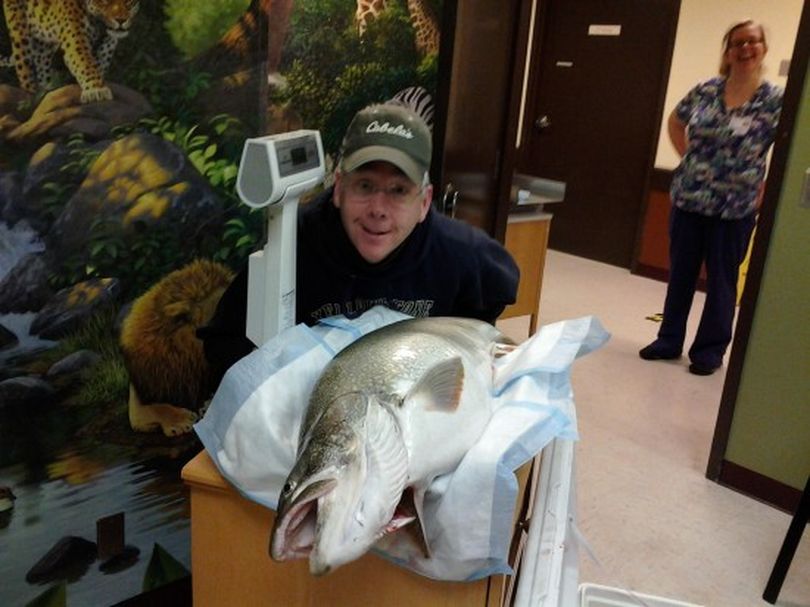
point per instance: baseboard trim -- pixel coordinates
(653, 272)
(760, 487)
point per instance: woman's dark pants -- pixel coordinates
(722, 244)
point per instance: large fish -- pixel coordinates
(391, 412)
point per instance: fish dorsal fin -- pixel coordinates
(441, 385)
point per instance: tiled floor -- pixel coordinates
(655, 523)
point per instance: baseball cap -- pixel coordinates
(389, 133)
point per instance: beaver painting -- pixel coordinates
(169, 376)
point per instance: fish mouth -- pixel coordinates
(294, 535)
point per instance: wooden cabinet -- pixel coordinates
(231, 564)
(527, 241)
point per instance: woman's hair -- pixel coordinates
(724, 66)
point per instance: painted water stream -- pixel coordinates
(65, 478)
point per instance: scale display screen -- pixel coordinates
(296, 155)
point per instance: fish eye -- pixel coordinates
(286, 488)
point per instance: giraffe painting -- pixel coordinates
(366, 11)
(425, 25)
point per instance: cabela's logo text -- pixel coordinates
(385, 127)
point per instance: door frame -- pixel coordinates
(495, 223)
(718, 469)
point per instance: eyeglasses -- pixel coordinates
(743, 43)
(365, 189)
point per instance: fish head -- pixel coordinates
(327, 511)
(342, 533)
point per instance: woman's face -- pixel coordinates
(746, 49)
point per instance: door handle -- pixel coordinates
(449, 199)
(542, 123)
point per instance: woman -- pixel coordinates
(723, 129)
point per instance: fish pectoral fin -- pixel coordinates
(441, 385)
(410, 510)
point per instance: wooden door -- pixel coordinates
(595, 100)
(481, 66)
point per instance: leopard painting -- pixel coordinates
(86, 31)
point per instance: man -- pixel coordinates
(374, 238)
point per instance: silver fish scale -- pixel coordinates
(379, 365)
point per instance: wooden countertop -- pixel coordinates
(202, 471)
(520, 216)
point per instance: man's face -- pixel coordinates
(379, 207)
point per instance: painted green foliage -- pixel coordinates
(332, 72)
(213, 147)
(55, 596)
(195, 26)
(163, 568)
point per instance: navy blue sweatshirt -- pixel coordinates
(444, 268)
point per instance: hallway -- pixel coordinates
(654, 522)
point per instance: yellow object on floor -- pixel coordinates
(744, 267)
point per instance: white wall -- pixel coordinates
(698, 48)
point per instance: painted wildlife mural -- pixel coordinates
(121, 129)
